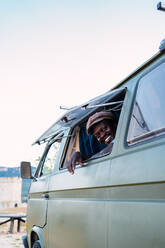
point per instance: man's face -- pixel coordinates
(103, 132)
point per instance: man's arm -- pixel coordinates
(78, 157)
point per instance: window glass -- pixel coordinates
(73, 145)
(51, 158)
(148, 117)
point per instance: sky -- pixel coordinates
(65, 52)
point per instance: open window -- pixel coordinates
(88, 145)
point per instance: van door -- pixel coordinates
(37, 202)
(38, 195)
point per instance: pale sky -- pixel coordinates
(65, 52)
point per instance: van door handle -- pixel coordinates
(46, 196)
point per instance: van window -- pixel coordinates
(148, 116)
(88, 145)
(50, 157)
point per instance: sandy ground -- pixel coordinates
(11, 240)
(14, 240)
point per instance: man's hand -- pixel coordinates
(75, 158)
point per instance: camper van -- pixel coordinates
(116, 200)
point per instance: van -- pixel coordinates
(116, 200)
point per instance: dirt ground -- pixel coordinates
(12, 240)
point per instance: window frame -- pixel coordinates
(96, 108)
(38, 173)
(149, 136)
